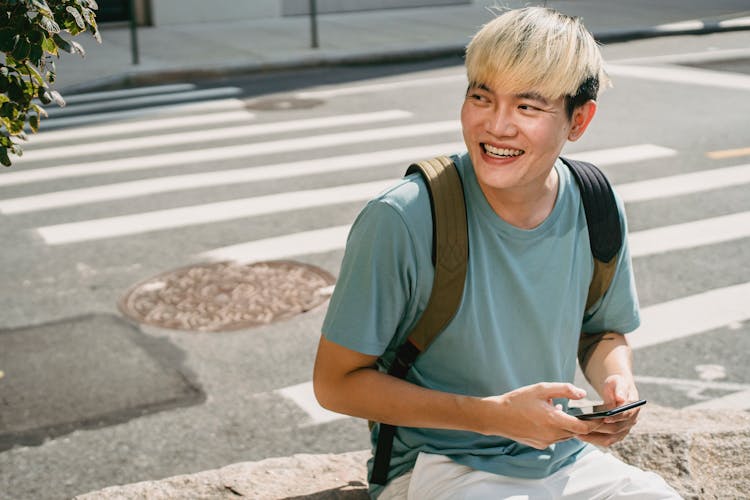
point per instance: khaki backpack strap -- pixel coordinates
(450, 255)
(450, 248)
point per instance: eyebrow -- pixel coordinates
(480, 86)
(533, 96)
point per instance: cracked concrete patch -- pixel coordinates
(85, 372)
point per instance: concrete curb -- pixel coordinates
(702, 454)
(325, 58)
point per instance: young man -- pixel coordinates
(481, 413)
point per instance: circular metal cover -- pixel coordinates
(227, 296)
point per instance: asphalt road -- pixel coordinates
(89, 398)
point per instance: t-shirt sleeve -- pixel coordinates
(618, 310)
(375, 284)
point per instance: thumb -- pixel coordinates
(553, 390)
(614, 391)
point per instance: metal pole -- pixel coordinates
(313, 24)
(133, 32)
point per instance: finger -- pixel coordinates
(613, 428)
(553, 390)
(631, 415)
(601, 439)
(576, 425)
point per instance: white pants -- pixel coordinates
(596, 475)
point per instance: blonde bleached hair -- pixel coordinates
(537, 49)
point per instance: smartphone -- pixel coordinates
(609, 413)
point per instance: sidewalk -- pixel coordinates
(180, 52)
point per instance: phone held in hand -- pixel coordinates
(607, 413)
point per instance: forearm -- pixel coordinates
(611, 356)
(348, 382)
(610, 372)
(373, 395)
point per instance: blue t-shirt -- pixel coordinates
(519, 320)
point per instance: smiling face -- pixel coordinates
(524, 67)
(514, 139)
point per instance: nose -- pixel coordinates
(501, 123)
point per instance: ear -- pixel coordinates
(580, 120)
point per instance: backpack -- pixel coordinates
(450, 253)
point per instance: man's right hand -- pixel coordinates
(529, 415)
(347, 382)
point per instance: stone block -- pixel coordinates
(703, 454)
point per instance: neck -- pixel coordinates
(526, 207)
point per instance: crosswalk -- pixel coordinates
(156, 132)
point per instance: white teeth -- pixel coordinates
(502, 151)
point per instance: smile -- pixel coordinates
(501, 152)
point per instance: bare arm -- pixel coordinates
(347, 382)
(610, 372)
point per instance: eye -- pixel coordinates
(528, 107)
(478, 97)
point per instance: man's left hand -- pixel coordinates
(617, 391)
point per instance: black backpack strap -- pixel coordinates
(450, 244)
(605, 235)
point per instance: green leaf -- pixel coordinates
(36, 54)
(4, 159)
(49, 46)
(16, 91)
(49, 24)
(16, 125)
(36, 37)
(77, 16)
(77, 47)
(34, 123)
(21, 50)
(43, 7)
(8, 39)
(34, 73)
(89, 15)
(39, 110)
(45, 96)
(57, 98)
(62, 43)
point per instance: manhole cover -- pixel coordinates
(227, 296)
(281, 103)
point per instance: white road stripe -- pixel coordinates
(102, 106)
(692, 315)
(689, 57)
(124, 190)
(143, 113)
(304, 396)
(735, 401)
(110, 227)
(690, 235)
(693, 384)
(139, 127)
(118, 191)
(126, 93)
(200, 137)
(684, 75)
(380, 87)
(627, 154)
(224, 153)
(642, 243)
(736, 22)
(283, 247)
(677, 185)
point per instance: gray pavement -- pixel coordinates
(181, 52)
(187, 51)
